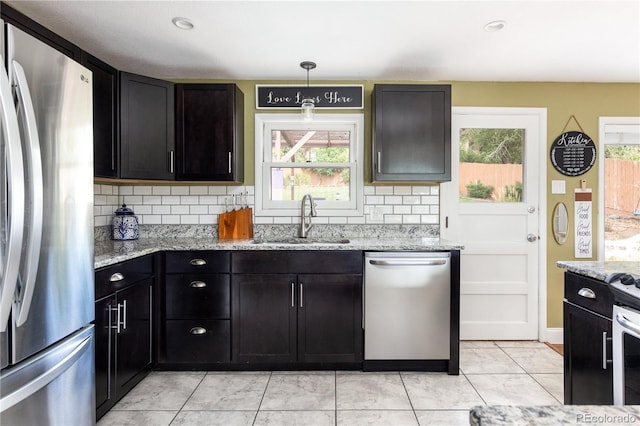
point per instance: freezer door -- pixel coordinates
(53, 388)
(56, 285)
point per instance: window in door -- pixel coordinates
(491, 165)
(620, 183)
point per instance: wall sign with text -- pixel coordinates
(573, 153)
(330, 97)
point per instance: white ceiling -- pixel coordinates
(581, 41)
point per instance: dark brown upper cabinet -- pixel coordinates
(209, 132)
(147, 131)
(105, 102)
(412, 133)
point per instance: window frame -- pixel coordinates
(265, 123)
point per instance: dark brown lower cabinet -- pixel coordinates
(297, 319)
(588, 368)
(123, 342)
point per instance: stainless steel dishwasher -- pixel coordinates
(407, 301)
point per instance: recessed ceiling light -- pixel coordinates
(495, 26)
(182, 23)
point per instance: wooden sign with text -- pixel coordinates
(329, 97)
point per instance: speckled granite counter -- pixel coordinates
(111, 252)
(499, 415)
(599, 270)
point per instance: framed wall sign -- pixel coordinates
(326, 97)
(573, 153)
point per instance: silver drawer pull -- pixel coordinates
(587, 293)
(198, 262)
(198, 330)
(197, 284)
(116, 277)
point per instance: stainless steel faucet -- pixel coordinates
(305, 221)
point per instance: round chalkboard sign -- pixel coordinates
(573, 153)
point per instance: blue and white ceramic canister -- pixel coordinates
(125, 224)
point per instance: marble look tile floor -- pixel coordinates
(491, 373)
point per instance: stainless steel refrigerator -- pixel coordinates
(46, 236)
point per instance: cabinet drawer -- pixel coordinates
(297, 262)
(197, 262)
(588, 293)
(115, 277)
(201, 342)
(198, 296)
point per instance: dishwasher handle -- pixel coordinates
(409, 262)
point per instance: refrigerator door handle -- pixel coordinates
(47, 377)
(15, 198)
(36, 197)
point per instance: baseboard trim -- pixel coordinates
(552, 335)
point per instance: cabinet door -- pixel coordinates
(209, 132)
(330, 318)
(146, 128)
(104, 354)
(105, 89)
(412, 133)
(134, 335)
(585, 379)
(264, 318)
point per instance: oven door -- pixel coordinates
(626, 356)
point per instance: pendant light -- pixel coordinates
(308, 104)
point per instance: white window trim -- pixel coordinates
(619, 124)
(352, 122)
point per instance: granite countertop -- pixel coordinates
(503, 415)
(599, 269)
(110, 252)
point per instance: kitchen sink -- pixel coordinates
(295, 240)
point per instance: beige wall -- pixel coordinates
(586, 101)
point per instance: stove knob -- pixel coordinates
(638, 283)
(627, 280)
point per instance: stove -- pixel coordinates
(625, 288)
(626, 338)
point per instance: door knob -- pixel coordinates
(532, 238)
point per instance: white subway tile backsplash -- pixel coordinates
(410, 199)
(181, 210)
(198, 190)
(161, 190)
(384, 190)
(170, 199)
(180, 190)
(201, 204)
(402, 190)
(142, 190)
(374, 199)
(400, 209)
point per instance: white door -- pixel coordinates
(492, 206)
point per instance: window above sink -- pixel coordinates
(323, 158)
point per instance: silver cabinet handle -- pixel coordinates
(586, 293)
(301, 297)
(198, 331)
(197, 284)
(379, 165)
(198, 262)
(118, 319)
(293, 294)
(124, 315)
(171, 161)
(604, 350)
(229, 162)
(116, 277)
(532, 238)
